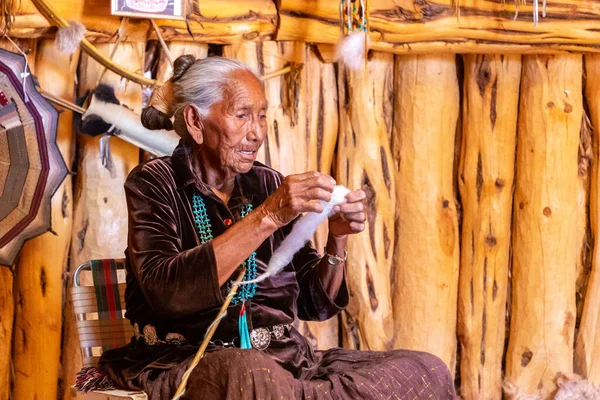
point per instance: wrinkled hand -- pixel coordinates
(349, 218)
(296, 195)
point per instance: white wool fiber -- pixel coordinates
(301, 233)
(572, 386)
(351, 50)
(68, 38)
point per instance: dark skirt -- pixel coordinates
(340, 374)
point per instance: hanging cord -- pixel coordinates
(25, 74)
(209, 334)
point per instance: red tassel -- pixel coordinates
(91, 378)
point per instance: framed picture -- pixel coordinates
(163, 9)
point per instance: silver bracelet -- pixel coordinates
(334, 259)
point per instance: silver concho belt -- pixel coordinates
(259, 337)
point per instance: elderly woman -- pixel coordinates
(196, 217)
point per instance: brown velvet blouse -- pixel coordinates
(172, 280)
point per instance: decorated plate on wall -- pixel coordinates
(164, 9)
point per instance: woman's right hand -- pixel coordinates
(298, 194)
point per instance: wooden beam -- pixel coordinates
(214, 22)
(364, 160)
(39, 280)
(491, 89)
(545, 242)
(303, 127)
(406, 26)
(587, 363)
(7, 314)
(426, 262)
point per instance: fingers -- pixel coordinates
(311, 206)
(356, 196)
(348, 208)
(316, 194)
(357, 227)
(354, 217)
(317, 179)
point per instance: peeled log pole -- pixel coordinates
(407, 26)
(38, 319)
(251, 54)
(299, 138)
(587, 349)
(427, 238)
(365, 162)
(100, 217)
(486, 174)
(545, 226)
(7, 313)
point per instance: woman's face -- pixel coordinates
(236, 126)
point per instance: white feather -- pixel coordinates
(158, 142)
(351, 50)
(68, 38)
(301, 233)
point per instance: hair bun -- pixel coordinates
(182, 64)
(154, 119)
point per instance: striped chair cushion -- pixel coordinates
(104, 273)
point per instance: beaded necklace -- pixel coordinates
(245, 292)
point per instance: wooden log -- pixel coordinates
(100, 217)
(491, 89)
(251, 54)
(427, 245)
(588, 340)
(39, 289)
(545, 224)
(7, 313)
(209, 22)
(584, 234)
(365, 161)
(299, 138)
(405, 26)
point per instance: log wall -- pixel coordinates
(448, 251)
(487, 167)
(40, 273)
(425, 270)
(588, 339)
(365, 161)
(545, 223)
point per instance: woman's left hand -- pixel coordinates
(349, 218)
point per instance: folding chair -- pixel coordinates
(101, 325)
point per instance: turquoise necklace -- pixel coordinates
(245, 292)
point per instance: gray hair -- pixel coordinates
(202, 84)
